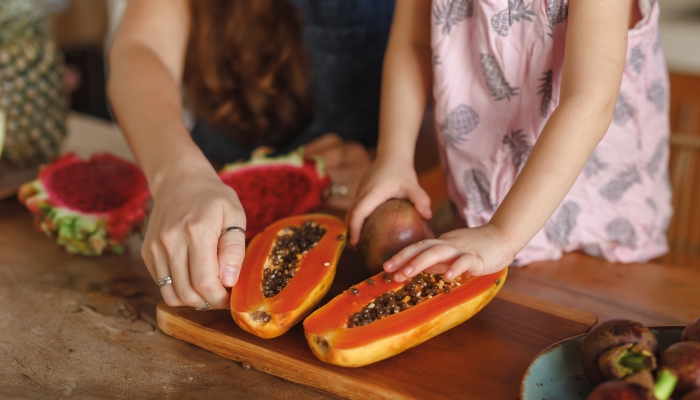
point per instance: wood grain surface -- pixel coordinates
(653, 294)
(483, 358)
(81, 327)
(85, 328)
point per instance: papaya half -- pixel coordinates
(380, 318)
(287, 270)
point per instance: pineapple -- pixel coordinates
(33, 98)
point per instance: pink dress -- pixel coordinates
(497, 73)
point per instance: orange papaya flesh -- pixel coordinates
(269, 317)
(332, 341)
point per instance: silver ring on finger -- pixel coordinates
(165, 281)
(232, 229)
(204, 307)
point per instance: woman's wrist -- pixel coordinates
(179, 170)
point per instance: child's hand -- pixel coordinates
(476, 251)
(384, 180)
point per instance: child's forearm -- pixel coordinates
(406, 81)
(596, 47)
(572, 132)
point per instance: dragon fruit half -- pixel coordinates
(91, 206)
(271, 188)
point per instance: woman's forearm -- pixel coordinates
(146, 63)
(148, 107)
(406, 81)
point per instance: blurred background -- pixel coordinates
(82, 29)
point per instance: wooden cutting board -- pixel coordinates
(484, 358)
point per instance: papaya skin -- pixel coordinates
(390, 228)
(273, 316)
(332, 342)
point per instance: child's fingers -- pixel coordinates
(361, 211)
(468, 263)
(421, 201)
(439, 253)
(438, 268)
(408, 253)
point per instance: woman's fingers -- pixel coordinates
(177, 252)
(231, 250)
(155, 258)
(204, 265)
(329, 147)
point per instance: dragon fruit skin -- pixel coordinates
(89, 233)
(265, 188)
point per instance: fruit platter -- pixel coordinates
(619, 359)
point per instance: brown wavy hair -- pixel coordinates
(246, 69)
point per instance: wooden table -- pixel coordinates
(72, 326)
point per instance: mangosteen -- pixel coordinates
(617, 390)
(613, 333)
(681, 360)
(691, 333)
(390, 228)
(694, 395)
(621, 361)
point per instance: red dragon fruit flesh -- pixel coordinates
(90, 206)
(271, 188)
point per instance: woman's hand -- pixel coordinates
(184, 237)
(345, 161)
(386, 179)
(475, 251)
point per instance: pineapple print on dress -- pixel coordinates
(594, 165)
(657, 96)
(636, 59)
(458, 123)
(32, 93)
(593, 250)
(519, 147)
(616, 187)
(654, 162)
(559, 228)
(622, 231)
(449, 13)
(504, 19)
(623, 110)
(478, 191)
(557, 11)
(495, 80)
(546, 89)
(657, 43)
